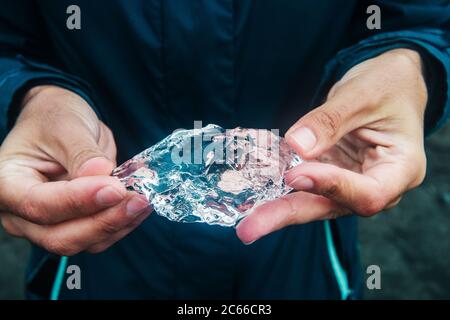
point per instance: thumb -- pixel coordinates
(67, 130)
(323, 127)
(84, 155)
(95, 166)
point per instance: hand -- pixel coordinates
(55, 188)
(365, 146)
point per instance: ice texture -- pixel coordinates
(210, 174)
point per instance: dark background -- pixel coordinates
(410, 243)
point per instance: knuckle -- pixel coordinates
(8, 226)
(106, 226)
(59, 246)
(372, 205)
(73, 203)
(331, 190)
(292, 216)
(33, 212)
(328, 121)
(290, 208)
(30, 209)
(82, 154)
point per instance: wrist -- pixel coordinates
(408, 56)
(410, 62)
(39, 91)
(410, 53)
(49, 101)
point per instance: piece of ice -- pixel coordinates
(210, 175)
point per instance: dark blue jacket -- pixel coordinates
(149, 67)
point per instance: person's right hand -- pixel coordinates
(55, 188)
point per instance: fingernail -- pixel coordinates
(248, 243)
(304, 138)
(108, 196)
(135, 206)
(302, 183)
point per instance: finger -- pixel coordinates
(365, 194)
(96, 166)
(321, 128)
(71, 237)
(102, 246)
(294, 208)
(53, 202)
(8, 226)
(102, 165)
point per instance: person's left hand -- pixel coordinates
(364, 146)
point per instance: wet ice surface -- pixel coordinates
(210, 175)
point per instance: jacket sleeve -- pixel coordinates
(420, 25)
(26, 60)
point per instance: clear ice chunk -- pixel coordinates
(210, 174)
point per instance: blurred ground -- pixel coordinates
(410, 243)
